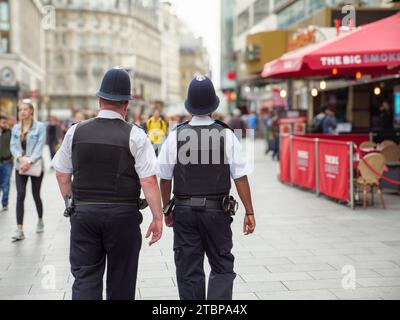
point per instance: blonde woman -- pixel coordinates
(27, 142)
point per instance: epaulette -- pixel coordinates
(140, 127)
(180, 125)
(223, 124)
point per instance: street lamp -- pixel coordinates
(322, 85)
(314, 92)
(283, 94)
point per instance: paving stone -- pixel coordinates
(313, 284)
(379, 282)
(299, 267)
(337, 274)
(365, 293)
(298, 295)
(300, 246)
(276, 276)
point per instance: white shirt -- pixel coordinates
(236, 158)
(141, 149)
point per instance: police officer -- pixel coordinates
(201, 157)
(110, 161)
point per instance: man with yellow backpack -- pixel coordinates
(156, 129)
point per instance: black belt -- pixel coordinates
(199, 202)
(5, 160)
(85, 203)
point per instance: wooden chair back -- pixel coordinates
(391, 153)
(377, 162)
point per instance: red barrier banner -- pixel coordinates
(356, 138)
(285, 159)
(333, 169)
(303, 162)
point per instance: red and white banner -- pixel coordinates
(333, 169)
(303, 162)
(285, 159)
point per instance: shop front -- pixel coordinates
(357, 72)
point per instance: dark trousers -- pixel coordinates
(5, 174)
(198, 232)
(21, 181)
(53, 151)
(101, 233)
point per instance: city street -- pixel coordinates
(301, 246)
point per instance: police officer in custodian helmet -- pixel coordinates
(110, 161)
(201, 157)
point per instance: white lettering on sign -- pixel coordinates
(302, 159)
(302, 154)
(384, 57)
(341, 60)
(331, 166)
(332, 160)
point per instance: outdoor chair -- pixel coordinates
(391, 153)
(368, 180)
(366, 145)
(387, 143)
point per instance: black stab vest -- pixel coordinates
(103, 165)
(202, 169)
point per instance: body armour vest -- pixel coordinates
(103, 165)
(202, 169)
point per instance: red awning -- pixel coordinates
(371, 49)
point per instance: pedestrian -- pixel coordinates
(6, 161)
(28, 138)
(275, 137)
(252, 122)
(237, 124)
(317, 122)
(202, 216)
(110, 161)
(386, 116)
(156, 129)
(329, 122)
(53, 135)
(268, 134)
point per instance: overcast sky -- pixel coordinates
(203, 17)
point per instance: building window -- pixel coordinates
(292, 14)
(243, 21)
(298, 11)
(315, 5)
(4, 27)
(261, 10)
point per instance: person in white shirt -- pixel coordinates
(201, 157)
(110, 161)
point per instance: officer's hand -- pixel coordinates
(169, 220)
(155, 229)
(249, 225)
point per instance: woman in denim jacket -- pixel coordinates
(27, 142)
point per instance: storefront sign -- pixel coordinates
(301, 39)
(344, 60)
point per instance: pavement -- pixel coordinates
(304, 247)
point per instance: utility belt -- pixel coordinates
(71, 203)
(228, 204)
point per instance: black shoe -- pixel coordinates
(5, 208)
